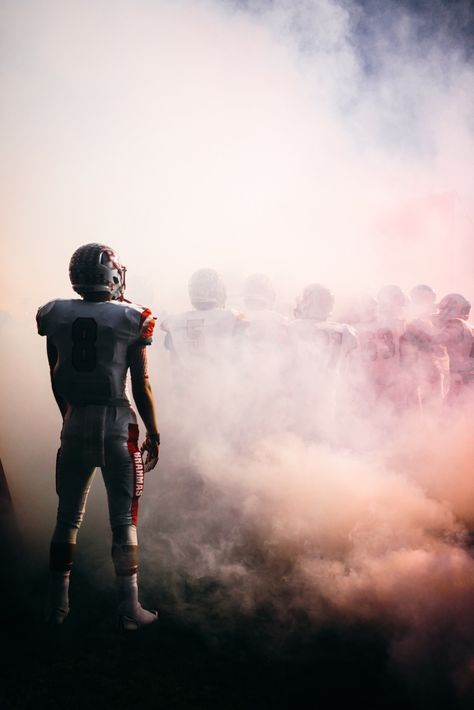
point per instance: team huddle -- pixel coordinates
(392, 350)
(401, 351)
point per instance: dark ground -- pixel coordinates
(192, 657)
(176, 663)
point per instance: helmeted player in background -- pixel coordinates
(266, 325)
(389, 383)
(361, 313)
(456, 334)
(320, 353)
(205, 355)
(206, 333)
(264, 349)
(424, 361)
(92, 342)
(328, 343)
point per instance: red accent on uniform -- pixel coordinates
(132, 445)
(113, 259)
(148, 328)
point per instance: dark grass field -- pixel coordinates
(178, 663)
(195, 656)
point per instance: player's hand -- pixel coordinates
(150, 451)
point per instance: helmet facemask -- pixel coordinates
(95, 268)
(454, 305)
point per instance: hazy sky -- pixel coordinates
(310, 140)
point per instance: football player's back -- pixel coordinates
(455, 332)
(424, 360)
(92, 341)
(316, 338)
(320, 351)
(267, 328)
(391, 325)
(91, 344)
(205, 333)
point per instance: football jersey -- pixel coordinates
(420, 343)
(200, 335)
(266, 326)
(380, 345)
(324, 343)
(424, 360)
(92, 340)
(458, 337)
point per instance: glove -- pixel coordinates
(151, 449)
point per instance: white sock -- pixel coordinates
(128, 604)
(127, 591)
(57, 605)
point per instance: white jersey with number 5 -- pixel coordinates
(198, 336)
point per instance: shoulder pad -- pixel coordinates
(40, 316)
(142, 317)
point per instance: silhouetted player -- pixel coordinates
(92, 342)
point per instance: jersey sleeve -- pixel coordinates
(241, 323)
(350, 339)
(166, 327)
(43, 318)
(147, 326)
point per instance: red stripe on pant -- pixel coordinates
(138, 471)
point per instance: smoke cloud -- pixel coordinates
(313, 141)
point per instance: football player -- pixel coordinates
(389, 383)
(92, 342)
(326, 342)
(361, 313)
(424, 360)
(205, 333)
(320, 352)
(264, 350)
(456, 335)
(265, 324)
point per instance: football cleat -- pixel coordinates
(140, 617)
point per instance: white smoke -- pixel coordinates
(308, 140)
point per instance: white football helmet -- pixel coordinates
(391, 300)
(454, 305)
(206, 290)
(96, 267)
(258, 292)
(316, 302)
(422, 295)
